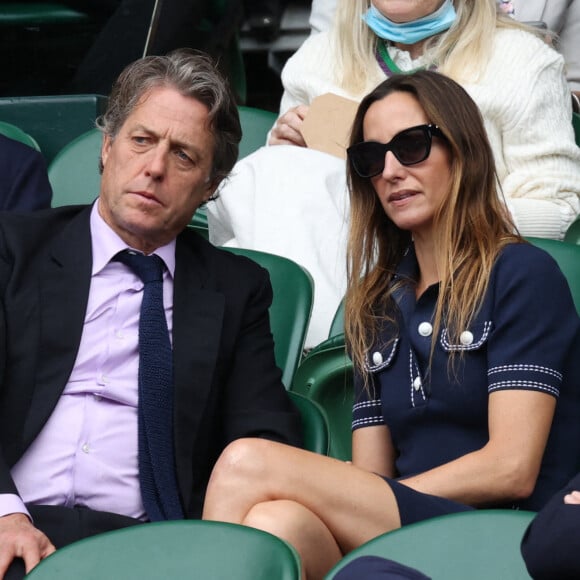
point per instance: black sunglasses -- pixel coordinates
(410, 146)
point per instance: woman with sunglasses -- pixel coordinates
(465, 342)
(292, 200)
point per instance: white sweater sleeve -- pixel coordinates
(525, 102)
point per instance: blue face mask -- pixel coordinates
(414, 31)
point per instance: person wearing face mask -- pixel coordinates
(292, 200)
(561, 17)
(464, 371)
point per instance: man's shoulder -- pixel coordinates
(220, 262)
(11, 149)
(35, 227)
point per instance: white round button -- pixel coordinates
(85, 448)
(425, 329)
(417, 383)
(377, 358)
(466, 338)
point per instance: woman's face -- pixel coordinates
(409, 194)
(406, 10)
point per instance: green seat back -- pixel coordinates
(325, 375)
(16, 133)
(74, 172)
(573, 233)
(475, 545)
(255, 126)
(291, 307)
(54, 120)
(337, 324)
(314, 424)
(176, 549)
(568, 257)
(199, 222)
(576, 124)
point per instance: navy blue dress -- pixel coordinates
(526, 335)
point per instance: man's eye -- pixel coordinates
(182, 156)
(140, 139)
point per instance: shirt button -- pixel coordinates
(425, 329)
(377, 358)
(85, 448)
(119, 334)
(417, 383)
(466, 338)
(97, 397)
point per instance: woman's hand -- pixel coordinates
(287, 130)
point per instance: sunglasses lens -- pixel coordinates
(368, 158)
(411, 147)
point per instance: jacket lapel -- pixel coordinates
(64, 287)
(197, 319)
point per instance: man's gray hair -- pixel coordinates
(193, 74)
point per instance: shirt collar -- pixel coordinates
(106, 244)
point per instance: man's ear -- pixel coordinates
(212, 186)
(105, 149)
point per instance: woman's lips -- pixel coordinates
(401, 196)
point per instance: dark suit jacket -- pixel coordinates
(24, 181)
(551, 544)
(226, 382)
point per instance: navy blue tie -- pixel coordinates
(156, 460)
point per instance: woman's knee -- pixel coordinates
(279, 517)
(243, 459)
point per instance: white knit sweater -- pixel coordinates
(525, 102)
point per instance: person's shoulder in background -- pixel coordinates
(24, 185)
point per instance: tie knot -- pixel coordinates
(148, 268)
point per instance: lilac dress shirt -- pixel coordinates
(86, 454)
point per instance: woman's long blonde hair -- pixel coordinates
(471, 226)
(461, 53)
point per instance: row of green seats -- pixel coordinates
(450, 547)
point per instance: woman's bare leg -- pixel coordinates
(354, 505)
(301, 528)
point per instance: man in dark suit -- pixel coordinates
(24, 183)
(72, 370)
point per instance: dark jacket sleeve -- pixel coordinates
(24, 185)
(551, 544)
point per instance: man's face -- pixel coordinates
(156, 171)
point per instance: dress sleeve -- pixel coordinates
(367, 408)
(535, 323)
